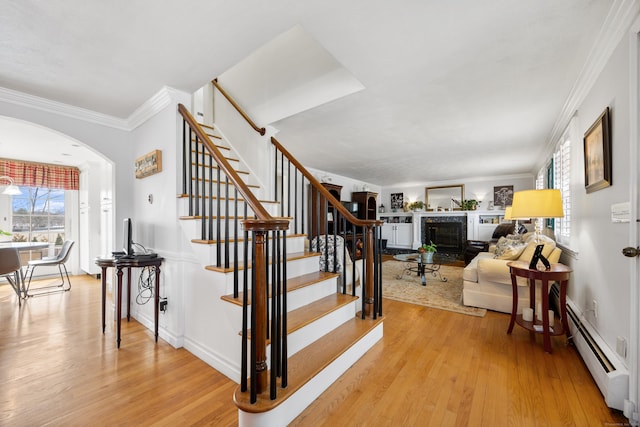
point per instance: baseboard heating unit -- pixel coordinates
(605, 367)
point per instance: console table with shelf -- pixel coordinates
(557, 273)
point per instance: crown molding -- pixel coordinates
(619, 19)
(148, 109)
(59, 108)
(151, 107)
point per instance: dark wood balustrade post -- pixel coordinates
(369, 275)
(259, 310)
(260, 228)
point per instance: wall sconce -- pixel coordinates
(12, 189)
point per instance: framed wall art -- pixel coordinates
(597, 154)
(149, 164)
(503, 196)
(397, 200)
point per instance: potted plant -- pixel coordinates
(469, 205)
(3, 233)
(426, 252)
(417, 205)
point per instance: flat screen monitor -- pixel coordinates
(127, 240)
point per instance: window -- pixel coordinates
(561, 181)
(557, 174)
(38, 215)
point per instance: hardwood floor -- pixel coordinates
(431, 368)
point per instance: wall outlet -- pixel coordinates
(621, 346)
(595, 309)
(163, 304)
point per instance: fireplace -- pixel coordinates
(447, 232)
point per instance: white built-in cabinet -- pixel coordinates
(481, 224)
(96, 218)
(397, 230)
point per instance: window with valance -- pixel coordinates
(40, 174)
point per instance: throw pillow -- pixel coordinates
(509, 247)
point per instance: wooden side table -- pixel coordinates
(558, 273)
(128, 263)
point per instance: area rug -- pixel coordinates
(398, 285)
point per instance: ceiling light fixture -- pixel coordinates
(12, 189)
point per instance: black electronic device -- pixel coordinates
(145, 256)
(127, 237)
(537, 256)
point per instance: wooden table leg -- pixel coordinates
(119, 306)
(544, 291)
(104, 296)
(157, 300)
(514, 304)
(128, 294)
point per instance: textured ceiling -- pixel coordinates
(452, 90)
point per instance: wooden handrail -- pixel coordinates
(261, 131)
(255, 205)
(331, 199)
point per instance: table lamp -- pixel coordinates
(537, 204)
(12, 189)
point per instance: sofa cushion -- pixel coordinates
(470, 272)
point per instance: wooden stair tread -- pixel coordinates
(290, 257)
(215, 181)
(206, 126)
(292, 284)
(185, 196)
(309, 362)
(239, 239)
(305, 315)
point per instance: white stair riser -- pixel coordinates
(304, 336)
(206, 253)
(183, 208)
(295, 299)
(283, 414)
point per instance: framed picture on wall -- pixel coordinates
(397, 200)
(597, 154)
(503, 196)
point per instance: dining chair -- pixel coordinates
(11, 269)
(58, 261)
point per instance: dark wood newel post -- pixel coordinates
(259, 306)
(260, 228)
(369, 265)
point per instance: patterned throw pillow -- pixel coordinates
(510, 247)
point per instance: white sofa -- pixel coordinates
(487, 281)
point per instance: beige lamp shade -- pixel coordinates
(537, 204)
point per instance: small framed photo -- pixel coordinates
(597, 154)
(397, 200)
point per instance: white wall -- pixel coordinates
(480, 188)
(601, 273)
(349, 185)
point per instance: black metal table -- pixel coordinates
(414, 264)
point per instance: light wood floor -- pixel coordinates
(431, 368)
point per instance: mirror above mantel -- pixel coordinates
(444, 197)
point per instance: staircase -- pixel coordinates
(298, 327)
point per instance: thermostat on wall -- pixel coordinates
(621, 212)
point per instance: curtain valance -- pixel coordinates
(41, 174)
